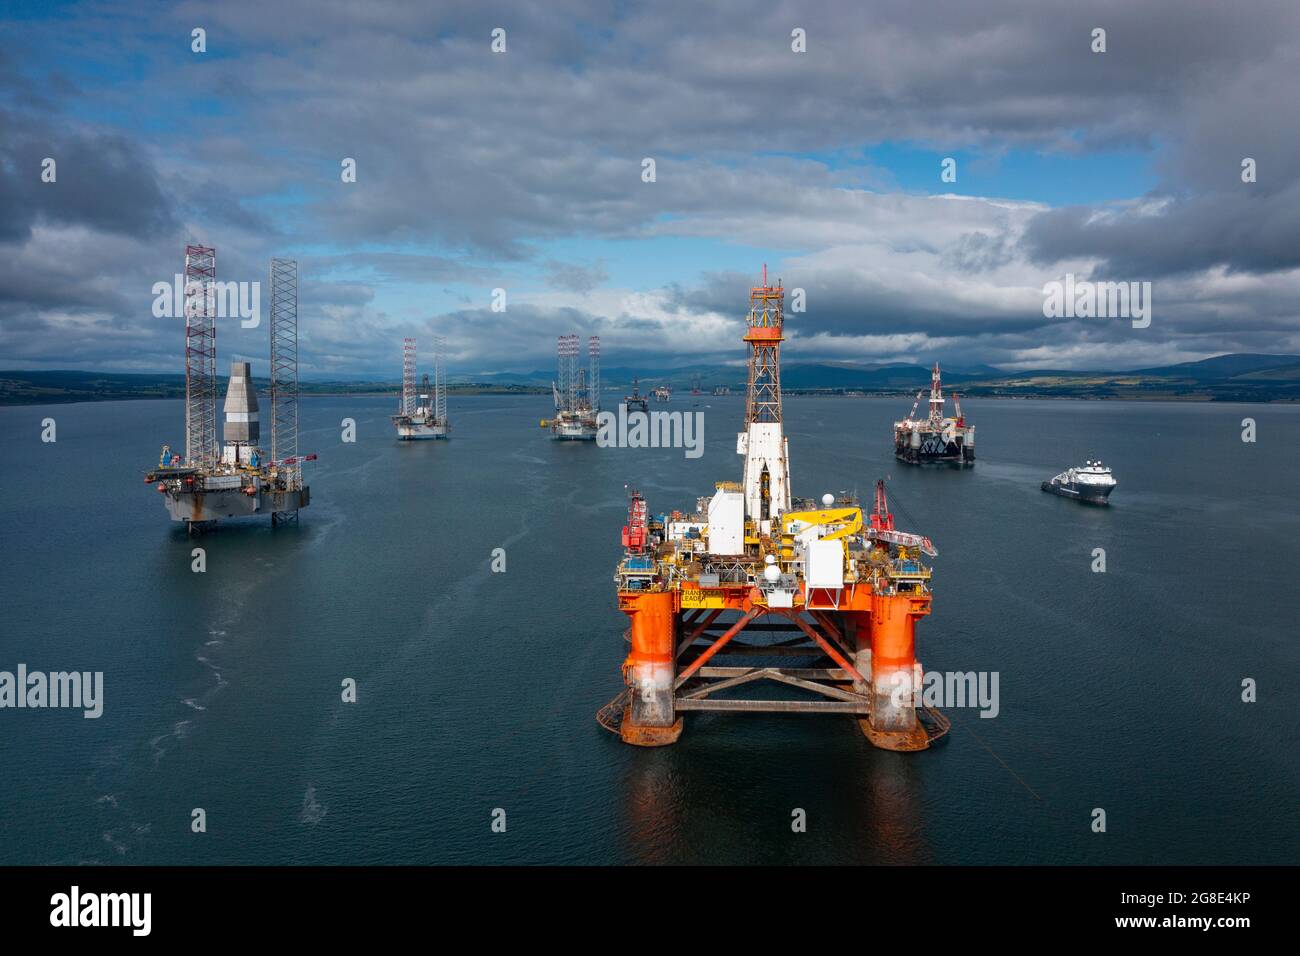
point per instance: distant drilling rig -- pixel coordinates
(577, 394)
(422, 414)
(636, 402)
(235, 479)
(790, 591)
(935, 438)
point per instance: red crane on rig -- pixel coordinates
(882, 526)
(636, 530)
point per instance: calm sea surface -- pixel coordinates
(477, 690)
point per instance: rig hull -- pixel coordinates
(416, 431)
(197, 507)
(933, 449)
(871, 637)
(573, 430)
(1089, 496)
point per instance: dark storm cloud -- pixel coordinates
(104, 181)
(549, 136)
(487, 157)
(1239, 229)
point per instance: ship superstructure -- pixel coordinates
(935, 438)
(422, 413)
(576, 391)
(705, 590)
(1092, 483)
(236, 478)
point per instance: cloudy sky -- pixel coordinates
(522, 170)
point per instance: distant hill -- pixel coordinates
(60, 386)
(1237, 377)
(1222, 366)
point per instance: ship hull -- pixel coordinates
(1091, 496)
(195, 507)
(420, 432)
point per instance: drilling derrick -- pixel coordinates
(200, 356)
(754, 586)
(767, 483)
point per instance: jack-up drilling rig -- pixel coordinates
(786, 590)
(235, 479)
(422, 414)
(576, 392)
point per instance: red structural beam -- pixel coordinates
(717, 646)
(835, 655)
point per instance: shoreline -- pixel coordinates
(684, 400)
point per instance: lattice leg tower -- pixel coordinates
(284, 378)
(200, 357)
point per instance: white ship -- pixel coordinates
(1092, 483)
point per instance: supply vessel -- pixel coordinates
(236, 478)
(755, 589)
(935, 438)
(1092, 483)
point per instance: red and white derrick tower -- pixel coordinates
(767, 470)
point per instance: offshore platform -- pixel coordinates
(576, 392)
(662, 393)
(237, 478)
(791, 591)
(636, 402)
(935, 438)
(422, 414)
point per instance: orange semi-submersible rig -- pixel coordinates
(841, 596)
